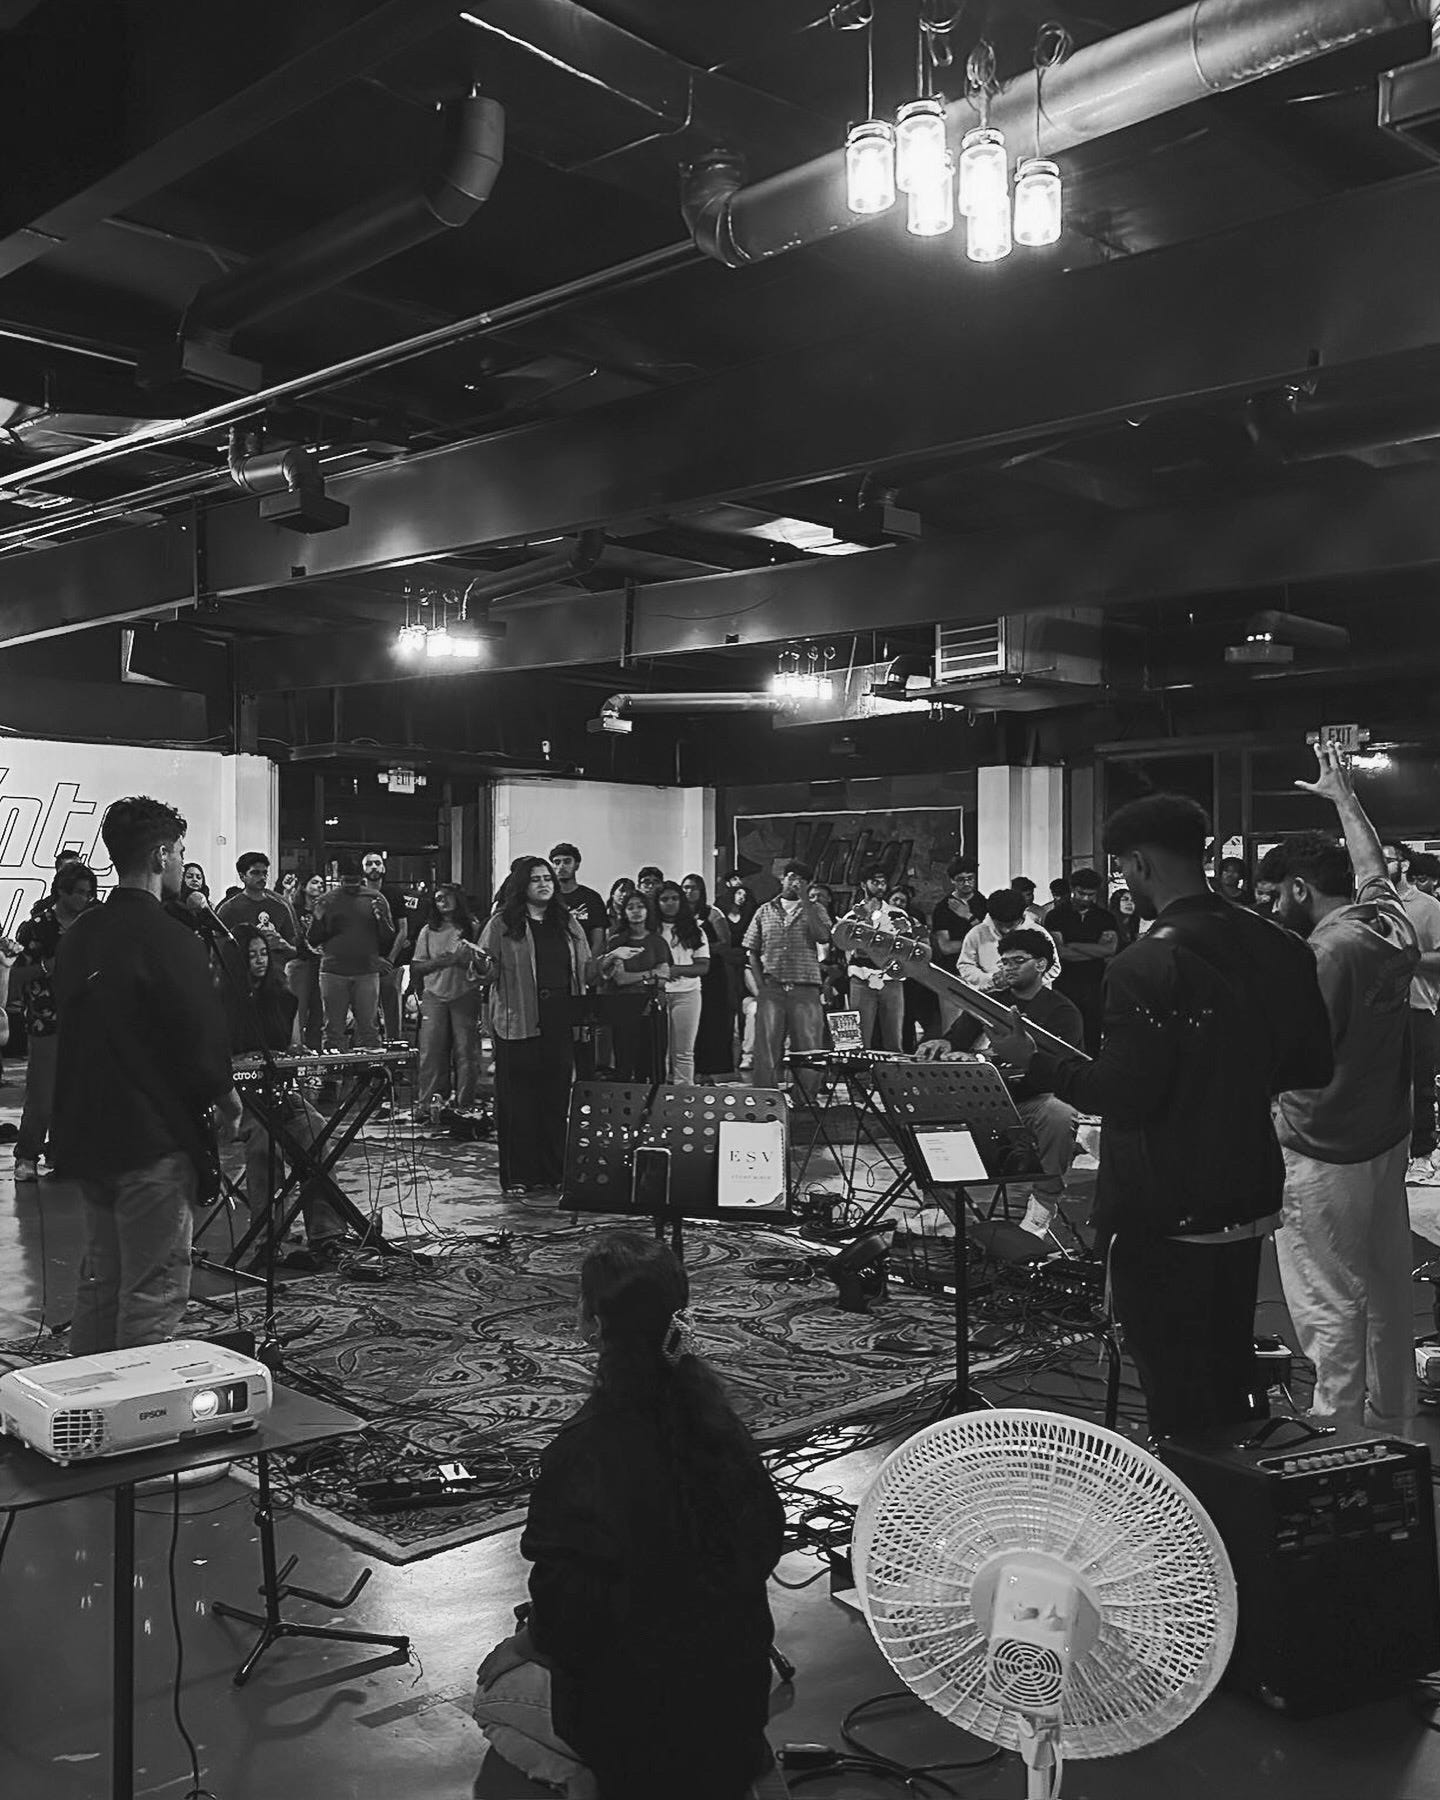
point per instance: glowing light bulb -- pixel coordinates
(984, 170)
(931, 208)
(920, 153)
(1037, 202)
(987, 230)
(870, 167)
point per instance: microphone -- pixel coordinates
(210, 920)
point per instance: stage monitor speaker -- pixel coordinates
(1333, 1544)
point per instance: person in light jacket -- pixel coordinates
(535, 955)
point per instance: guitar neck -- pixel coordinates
(911, 956)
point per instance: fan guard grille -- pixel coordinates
(967, 1489)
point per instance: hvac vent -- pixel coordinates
(78, 1433)
(965, 651)
(1410, 106)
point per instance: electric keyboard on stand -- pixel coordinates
(251, 1070)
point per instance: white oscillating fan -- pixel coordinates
(1045, 1585)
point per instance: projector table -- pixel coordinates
(28, 1480)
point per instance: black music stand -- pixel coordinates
(820, 1107)
(972, 1097)
(611, 1121)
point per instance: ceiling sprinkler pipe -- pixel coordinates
(1208, 47)
(695, 703)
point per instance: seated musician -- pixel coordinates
(1026, 956)
(265, 1015)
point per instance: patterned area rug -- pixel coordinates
(478, 1361)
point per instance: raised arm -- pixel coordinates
(1336, 784)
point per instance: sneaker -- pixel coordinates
(1421, 1173)
(25, 1170)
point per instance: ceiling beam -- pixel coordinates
(234, 88)
(1340, 284)
(1373, 525)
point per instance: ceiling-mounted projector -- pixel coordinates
(121, 1400)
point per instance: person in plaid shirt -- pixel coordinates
(782, 945)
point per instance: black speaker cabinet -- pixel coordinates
(1333, 1545)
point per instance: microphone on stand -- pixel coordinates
(210, 920)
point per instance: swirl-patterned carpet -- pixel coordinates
(477, 1360)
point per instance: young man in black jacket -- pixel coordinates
(1207, 1017)
(142, 1065)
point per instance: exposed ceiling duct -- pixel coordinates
(1347, 420)
(612, 712)
(371, 232)
(581, 556)
(1207, 48)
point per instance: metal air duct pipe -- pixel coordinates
(508, 584)
(696, 703)
(369, 233)
(1206, 48)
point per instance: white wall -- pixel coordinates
(617, 828)
(1020, 826)
(53, 797)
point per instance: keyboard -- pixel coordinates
(312, 1062)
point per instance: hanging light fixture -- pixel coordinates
(985, 170)
(1039, 193)
(931, 208)
(869, 146)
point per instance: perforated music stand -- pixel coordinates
(972, 1096)
(609, 1121)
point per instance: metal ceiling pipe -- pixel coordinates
(369, 233)
(695, 703)
(508, 584)
(1294, 429)
(1206, 48)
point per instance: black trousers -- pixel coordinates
(1424, 1039)
(1188, 1313)
(532, 1099)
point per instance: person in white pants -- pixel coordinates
(1344, 1239)
(690, 958)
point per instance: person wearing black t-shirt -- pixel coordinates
(1088, 935)
(952, 917)
(535, 954)
(585, 904)
(1025, 956)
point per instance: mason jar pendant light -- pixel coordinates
(1039, 195)
(869, 146)
(920, 152)
(1037, 202)
(931, 207)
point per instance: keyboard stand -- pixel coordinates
(310, 1164)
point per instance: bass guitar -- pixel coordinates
(910, 957)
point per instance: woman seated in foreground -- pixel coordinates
(653, 1528)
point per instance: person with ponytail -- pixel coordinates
(643, 1658)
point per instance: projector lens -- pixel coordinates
(204, 1403)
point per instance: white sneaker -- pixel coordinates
(1421, 1173)
(25, 1171)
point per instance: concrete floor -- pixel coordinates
(322, 1723)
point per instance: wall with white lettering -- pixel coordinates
(53, 797)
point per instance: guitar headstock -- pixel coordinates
(854, 934)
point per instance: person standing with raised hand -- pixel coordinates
(1344, 1240)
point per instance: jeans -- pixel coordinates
(302, 977)
(390, 1003)
(39, 1098)
(1188, 1314)
(321, 1221)
(346, 994)
(784, 1012)
(886, 1003)
(1344, 1254)
(448, 1031)
(134, 1256)
(1052, 1124)
(1424, 1039)
(684, 1011)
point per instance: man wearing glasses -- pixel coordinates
(1025, 958)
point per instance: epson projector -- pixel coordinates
(121, 1400)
